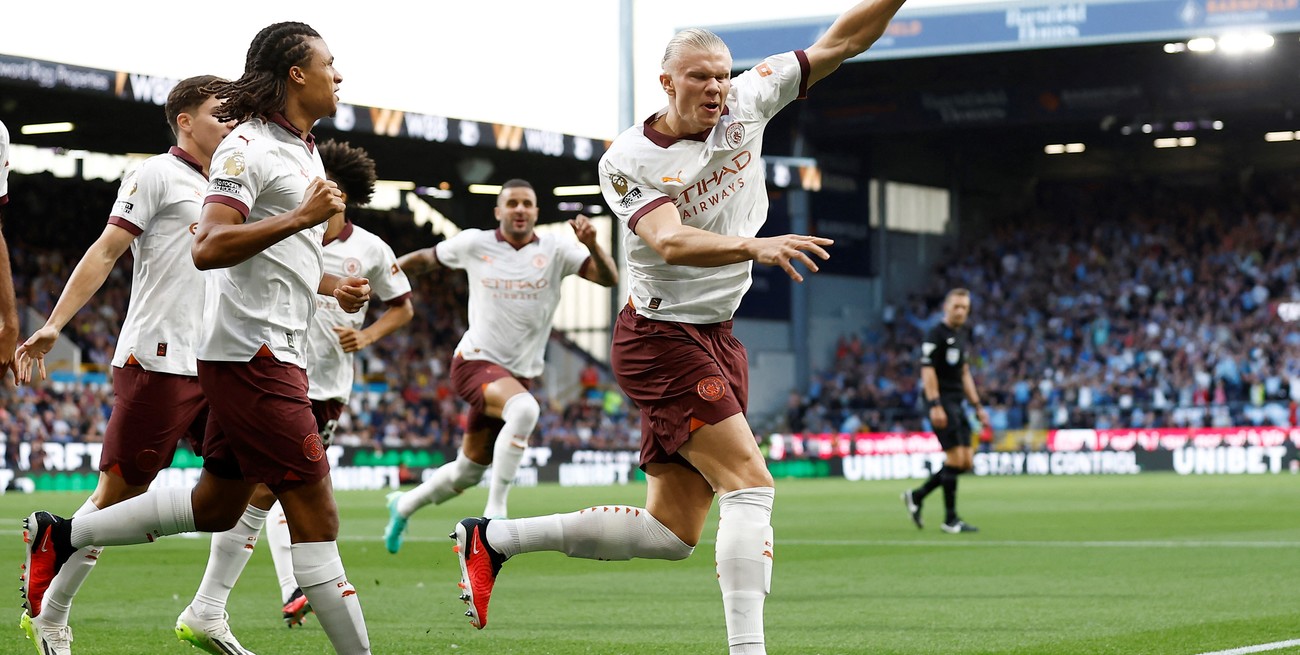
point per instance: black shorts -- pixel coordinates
(957, 432)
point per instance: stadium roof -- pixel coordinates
(1020, 25)
(971, 97)
(120, 112)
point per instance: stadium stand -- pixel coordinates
(1147, 304)
(407, 401)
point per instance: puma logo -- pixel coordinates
(677, 179)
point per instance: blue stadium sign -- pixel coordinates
(965, 29)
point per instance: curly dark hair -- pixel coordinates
(260, 91)
(350, 168)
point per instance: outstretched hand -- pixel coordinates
(31, 354)
(786, 249)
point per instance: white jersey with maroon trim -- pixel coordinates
(262, 169)
(4, 164)
(715, 180)
(513, 294)
(159, 203)
(355, 253)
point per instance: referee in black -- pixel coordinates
(945, 382)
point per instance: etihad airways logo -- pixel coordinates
(516, 285)
(714, 187)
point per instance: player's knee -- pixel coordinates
(107, 496)
(210, 517)
(755, 474)
(521, 409)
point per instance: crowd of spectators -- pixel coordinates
(407, 402)
(1110, 306)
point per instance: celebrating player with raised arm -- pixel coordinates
(689, 185)
(514, 290)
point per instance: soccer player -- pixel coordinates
(335, 335)
(946, 381)
(259, 242)
(514, 289)
(689, 185)
(8, 301)
(157, 399)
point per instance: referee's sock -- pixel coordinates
(933, 482)
(949, 481)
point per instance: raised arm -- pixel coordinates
(602, 270)
(849, 36)
(418, 262)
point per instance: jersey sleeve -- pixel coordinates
(928, 346)
(762, 91)
(573, 255)
(387, 281)
(626, 188)
(138, 199)
(456, 251)
(235, 176)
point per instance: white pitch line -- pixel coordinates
(1277, 645)
(976, 542)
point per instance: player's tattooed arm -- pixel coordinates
(418, 262)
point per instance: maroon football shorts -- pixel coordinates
(682, 376)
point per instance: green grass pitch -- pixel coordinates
(1148, 564)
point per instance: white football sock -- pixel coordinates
(64, 586)
(226, 560)
(604, 532)
(277, 537)
(744, 557)
(520, 414)
(317, 567)
(447, 482)
(153, 514)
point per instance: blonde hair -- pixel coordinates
(694, 38)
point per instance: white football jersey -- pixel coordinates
(159, 203)
(262, 169)
(4, 164)
(717, 182)
(513, 294)
(355, 253)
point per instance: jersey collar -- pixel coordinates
(663, 140)
(309, 138)
(179, 153)
(343, 234)
(502, 237)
